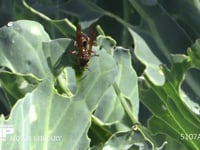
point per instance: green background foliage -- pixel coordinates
(141, 91)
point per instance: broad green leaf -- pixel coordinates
(169, 119)
(167, 27)
(158, 28)
(167, 105)
(21, 47)
(67, 119)
(22, 56)
(44, 113)
(127, 79)
(19, 83)
(145, 55)
(110, 109)
(157, 125)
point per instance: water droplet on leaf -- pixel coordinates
(10, 24)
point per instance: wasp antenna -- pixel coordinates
(91, 37)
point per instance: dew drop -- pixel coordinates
(32, 114)
(10, 24)
(35, 31)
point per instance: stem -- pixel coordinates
(136, 125)
(100, 30)
(98, 122)
(53, 21)
(35, 11)
(124, 103)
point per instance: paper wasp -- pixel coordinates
(83, 45)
